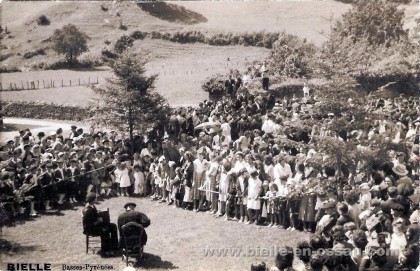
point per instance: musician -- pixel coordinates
(93, 223)
(26, 193)
(130, 215)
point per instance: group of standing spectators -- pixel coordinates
(224, 158)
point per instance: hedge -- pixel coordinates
(38, 110)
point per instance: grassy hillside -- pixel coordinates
(180, 83)
(295, 17)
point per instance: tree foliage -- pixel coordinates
(123, 43)
(370, 45)
(129, 100)
(291, 57)
(69, 41)
(374, 21)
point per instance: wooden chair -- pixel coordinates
(132, 233)
(95, 238)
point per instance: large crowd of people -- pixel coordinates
(221, 158)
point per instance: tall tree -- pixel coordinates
(69, 41)
(371, 45)
(129, 99)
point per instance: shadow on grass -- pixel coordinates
(52, 213)
(150, 261)
(7, 247)
(172, 13)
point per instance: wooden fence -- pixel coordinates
(42, 84)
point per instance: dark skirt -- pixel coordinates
(307, 208)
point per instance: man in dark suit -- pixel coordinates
(93, 223)
(130, 215)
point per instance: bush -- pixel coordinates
(108, 54)
(31, 54)
(138, 35)
(123, 43)
(86, 63)
(9, 69)
(43, 20)
(123, 27)
(3, 57)
(291, 57)
(46, 111)
(103, 8)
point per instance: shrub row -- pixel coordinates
(62, 64)
(45, 111)
(259, 39)
(3, 57)
(31, 54)
(4, 69)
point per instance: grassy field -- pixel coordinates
(176, 239)
(180, 84)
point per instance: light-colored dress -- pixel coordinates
(139, 185)
(254, 185)
(198, 177)
(124, 178)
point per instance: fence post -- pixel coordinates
(62, 83)
(1, 87)
(27, 84)
(11, 87)
(97, 80)
(15, 87)
(21, 82)
(38, 84)
(70, 82)
(79, 81)
(89, 81)
(43, 83)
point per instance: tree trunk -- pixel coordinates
(130, 128)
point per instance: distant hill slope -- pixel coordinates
(302, 18)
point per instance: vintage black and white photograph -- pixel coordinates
(210, 135)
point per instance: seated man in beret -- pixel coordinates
(130, 215)
(93, 223)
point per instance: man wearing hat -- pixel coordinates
(401, 173)
(329, 219)
(93, 223)
(130, 215)
(9, 146)
(40, 136)
(73, 133)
